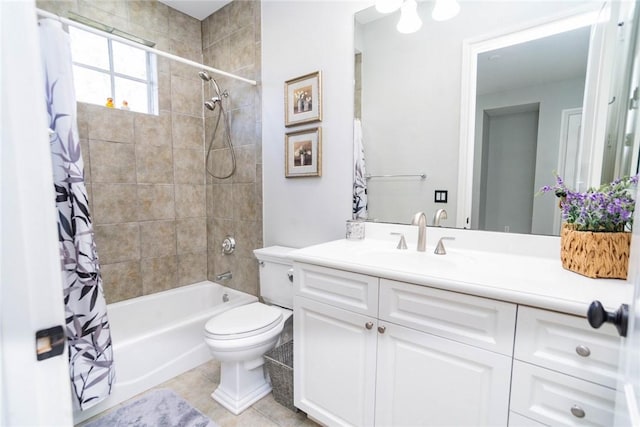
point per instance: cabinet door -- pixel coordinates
(335, 363)
(424, 380)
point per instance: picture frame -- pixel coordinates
(303, 99)
(303, 153)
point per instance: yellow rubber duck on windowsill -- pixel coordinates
(109, 103)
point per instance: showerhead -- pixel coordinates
(211, 104)
(204, 76)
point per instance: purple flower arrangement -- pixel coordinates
(607, 209)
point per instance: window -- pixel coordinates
(104, 68)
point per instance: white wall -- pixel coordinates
(299, 37)
(304, 211)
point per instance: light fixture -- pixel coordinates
(388, 6)
(445, 9)
(409, 21)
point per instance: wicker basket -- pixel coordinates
(279, 363)
(595, 254)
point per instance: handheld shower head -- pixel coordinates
(211, 104)
(204, 76)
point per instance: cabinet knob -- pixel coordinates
(583, 350)
(577, 411)
(368, 325)
(597, 316)
(381, 329)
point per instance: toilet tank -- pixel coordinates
(274, 268)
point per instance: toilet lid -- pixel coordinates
(243, 321)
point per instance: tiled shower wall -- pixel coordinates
(231, 41)
(146, 174)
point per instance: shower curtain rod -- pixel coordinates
(177, 58)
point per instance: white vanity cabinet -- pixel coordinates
(371, 351)
(564, 372)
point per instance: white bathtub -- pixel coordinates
(157, 337)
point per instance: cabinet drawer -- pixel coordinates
(556, 399)
(568, 344)
(480, 322)
(352, 291)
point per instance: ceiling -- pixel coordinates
(198, 9)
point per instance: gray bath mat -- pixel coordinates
(157, 408)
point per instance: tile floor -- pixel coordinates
(196, 386)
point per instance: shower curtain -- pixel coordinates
(360, 202)
(87, 326)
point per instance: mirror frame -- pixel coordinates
(595, 98)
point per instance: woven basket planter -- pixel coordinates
(595, 254)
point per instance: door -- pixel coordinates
(425, 380)
(32, 392)
(335, 358)
(628, 389)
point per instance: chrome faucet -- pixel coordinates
(439, 216)
(224, 276)
(420, 219)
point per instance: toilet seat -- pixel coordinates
(243, 322)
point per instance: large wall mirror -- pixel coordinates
(489, 105)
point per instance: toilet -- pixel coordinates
(240, 337)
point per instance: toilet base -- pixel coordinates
(241, 385)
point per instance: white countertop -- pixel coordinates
(515, 268)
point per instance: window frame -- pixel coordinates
(151, 80)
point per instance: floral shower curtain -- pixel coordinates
(87, 326)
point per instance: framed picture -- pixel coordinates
(303, 153)
(303, 99)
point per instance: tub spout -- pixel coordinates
(224, 276)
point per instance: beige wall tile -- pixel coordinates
(218, 25)
(110, 124)
(154, 164)
(185, 28)
(246, 276)
(218, 54)
(118, 242)
(152, 14)
(121, 281)
(159, 274)
(153, 130)
(217, 263)
(192, 268)
(190, 200)
(59, 7)
(246, 235)
(220, 140)
(157, 239)
(86, 159)
(188, 166)
(186, 96)
(242, 45)
(243, 126)
(111, 17)
(187, 131)
(112, 162)
(241, 15)
(222, 201)
(241, 94)
(113, 7)
(155, 202)
(192, 235)
(244, 202)
(114, 203)
(245, 164)
(164, 91)
(188, 50)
